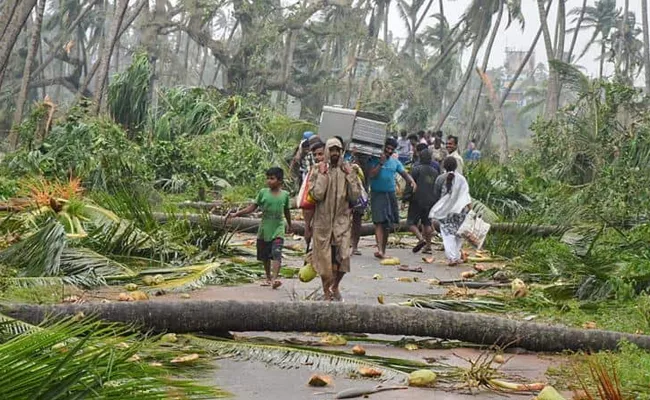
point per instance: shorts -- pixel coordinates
(418, 214)
(270, 251)
(384, 208)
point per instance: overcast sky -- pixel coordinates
(514, 37)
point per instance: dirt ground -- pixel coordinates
(253, 380)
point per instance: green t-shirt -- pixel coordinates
(273, 207)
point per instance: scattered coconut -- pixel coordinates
(422, 378)
(158, 279)
(518, 288)
(185, 296)
(334, 340)
(319, 380)
(380, 299)
(428, 260)
(467, 274)
(589, 325)
(125, 297)
(358, 351)
(139, 295)
(390, 261)
(307, 273)
(411, 346)
(368, 372)
(377, 277)
(404, 279)
(131, 287)
(155, 364)
(433, 282)
(498, 359)
(480, 267)
(148, 280)
(105, 301)
(169, 338)
(238, 260)
(549, 393)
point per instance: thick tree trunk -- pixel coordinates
(486, 60)
(551, 96)
(559, 49)
(8, 10)
(581, 18)
(514, 79)
(11, 32)
(466, 77)
(106, 56)
(646, 44)
(498, 114)
(223, 316)
(29, 62)
(251, 225)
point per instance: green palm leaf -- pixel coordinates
(40, 253)
(78, 360)
(326, 361)
(10, 327)
(197, 276)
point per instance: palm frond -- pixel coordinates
(86, 268)
(571, 76)
(39, 254)
(485, 211)
(457, 305)
(10, 327)
(28, 282)
(197, 276)
(73, 359)
(316, 359)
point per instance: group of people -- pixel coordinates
(438, 198)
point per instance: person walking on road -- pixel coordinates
(383, 200)
(334, 186)
(452, 203)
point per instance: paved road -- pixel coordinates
(254, 380)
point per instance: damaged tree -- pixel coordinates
(238, 316)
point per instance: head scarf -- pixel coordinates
(333, 142)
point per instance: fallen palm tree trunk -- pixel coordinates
(251, 225)
(222, 316)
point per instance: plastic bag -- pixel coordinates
(474, 229)
(304, 199)
(362, 202)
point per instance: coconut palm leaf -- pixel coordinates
(40, 253)
(28, 282)
(10, 327)
(77, 360)
(197, 276)
(326, 361)
(457, 305)
(483, 210)
(86, 268)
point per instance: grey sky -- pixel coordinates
(514, 37)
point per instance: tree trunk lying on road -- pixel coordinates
(251, 224)
(222, 316)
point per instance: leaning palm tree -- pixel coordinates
(602, 19)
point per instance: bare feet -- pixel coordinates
(356, 252)
(276, 284)
(336, 295)
(379, 255)
(266, 283)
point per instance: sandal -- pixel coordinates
(276, 284)
(419, 246)
(265, 283)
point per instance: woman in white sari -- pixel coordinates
(451, 194)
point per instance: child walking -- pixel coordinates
(274, 203)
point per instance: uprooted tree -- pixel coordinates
(223, 316)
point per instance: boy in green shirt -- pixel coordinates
(274, 203)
